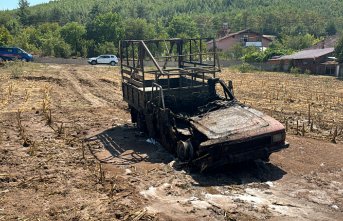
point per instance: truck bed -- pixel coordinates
(138, 96)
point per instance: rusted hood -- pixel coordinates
(228, 121)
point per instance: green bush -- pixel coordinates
(253, 57)
(245, 67)
(16, 68)
(62, 50)
(295, 70)
(307, 72)
(105, 48)
(55, 46)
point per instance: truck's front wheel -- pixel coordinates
(185, 151)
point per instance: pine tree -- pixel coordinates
(24, 12)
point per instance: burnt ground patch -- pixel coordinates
(60, 82)
(109, 82)
(86, 82)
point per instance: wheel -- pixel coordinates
(185, 151)
(93, 62)
(141, 124)
(112, 63)
(24, 60)
(266, 158)
(134, 114)
(1, 59)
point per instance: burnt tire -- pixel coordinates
(184, 151)
(134, 115)
(266, 158)
(141, 124)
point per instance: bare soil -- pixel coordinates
(68, 151)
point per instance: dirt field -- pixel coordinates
(68, 151)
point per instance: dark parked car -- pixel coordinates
(14, 53)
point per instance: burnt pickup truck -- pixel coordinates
(175, 97)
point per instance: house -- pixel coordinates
(245, 38)
(316, 61)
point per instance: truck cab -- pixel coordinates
(176, 97)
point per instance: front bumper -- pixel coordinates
(220, 158)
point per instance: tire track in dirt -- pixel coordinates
(96, 83)
(85, 93)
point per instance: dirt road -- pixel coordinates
(86, 161)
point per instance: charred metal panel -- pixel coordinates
(234, 119)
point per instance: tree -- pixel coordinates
(299, 42)
(28, 39)
(105, 48)
(183, 26)
(237, 51)
(73, 33)
(106, 28)
(252, 54)
(143, 11)
(55, 46)
(161, 30)
(5, 36)
(339, 50)
(331, 28)
(24, 12)
(138, 29)
(274, 50)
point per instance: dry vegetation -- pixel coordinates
(314, 103)
(69, 152)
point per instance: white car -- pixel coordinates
(104, 59)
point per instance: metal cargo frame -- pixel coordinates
(163, 66)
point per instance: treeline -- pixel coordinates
(65, 28)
